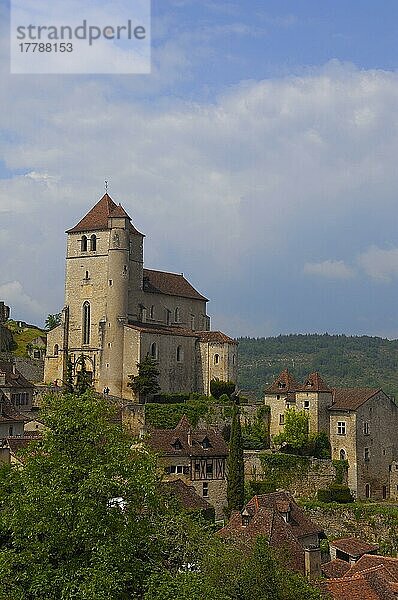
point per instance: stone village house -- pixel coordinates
(197, 457)
(16, 396)
(361, 423)
(286, 526)
(117, 312)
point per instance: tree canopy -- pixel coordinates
(83, 519)
(146, 382)
(52, 321)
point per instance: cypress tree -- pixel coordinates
(235, 466)
(69, 389)
(82, 379)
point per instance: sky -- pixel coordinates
(259, 157)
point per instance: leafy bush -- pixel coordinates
(169, 398)
(320, 446)
(335, 493)
(218, 388)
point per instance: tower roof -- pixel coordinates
(284, 383)
(314, 383)
(97, 217)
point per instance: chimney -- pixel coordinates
(312, 559)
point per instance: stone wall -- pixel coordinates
(321, 473)
(373, 523)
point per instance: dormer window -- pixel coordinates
(281, 385)
(245, 518)
(309, 383)
(177, 445)
(205, 443)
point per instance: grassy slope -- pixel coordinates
(342, 361)
(23, 338)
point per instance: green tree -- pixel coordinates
(83, 381)
(52, 321)
(295, 431)
(227, 572)
(68, 383)
(218, 388)
(146, 382)
(77, 520)
(235, 465)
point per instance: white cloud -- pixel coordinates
(221, 188)
(329, 269)
(379, 264)
(13, 294)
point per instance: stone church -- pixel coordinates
(117, 312)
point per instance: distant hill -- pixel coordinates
(341, 360)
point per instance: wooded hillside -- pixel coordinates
(342, 361)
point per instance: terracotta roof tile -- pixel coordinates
(265, 513)
(186, 494)
(164, 441)
(284, 383)
(368, 561)
(97, 217)
(353, 546)
(215, 337)
(314, 383)
(367, 585)
(171, 284)
(335, 568)
(351, 398)
(161, 329)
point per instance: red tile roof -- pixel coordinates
(163, 441)
(16, 444)
(353, 546)
(186, 494)
(283, 384)
(171, 284)
(97, 218)
(368, 561)
(367, 585)
(314, 383)
(215, 337)
(161, 329)
(266, 518)
(335, 568)
(351, 398)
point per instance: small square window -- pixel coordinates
(179, 469)
(306, 403)
(341, 428)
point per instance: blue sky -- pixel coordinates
(259, 158)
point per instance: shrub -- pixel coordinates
(335, 493)
(218, 388)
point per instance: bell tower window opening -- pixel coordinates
(56, 350)
(177, 315)
(93, 243)
(86, 322)
(84, 243)
(216, 359)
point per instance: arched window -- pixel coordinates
(93, 243)
(343, 454)
(154, 350)
(84, 243)
(216, 359)
(180, 354)
(86, 322)
(151, 311)
(56, 350)
(177, 315)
